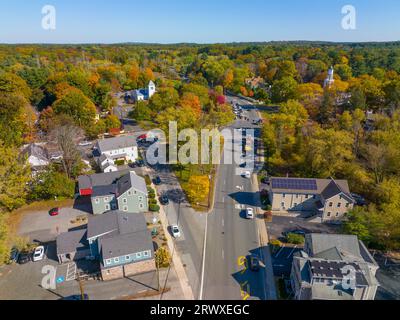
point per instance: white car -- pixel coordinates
(249, 213)
(85, 143)
(247, 174)
(38, 254)
(176, 233)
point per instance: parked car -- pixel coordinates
(249, 213)
(157, 181)
(247, 174)
(360, 201)
(85, 143)
(164, 200)
(176, 233)
(14, 255)
(254, 263)
(54, 212)
(24, 258)
(140, 163)
(38, 254)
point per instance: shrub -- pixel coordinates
(152, 201)
(119, 162)
(162, 258)
(154, 207)
(148, 180)
(295, 238)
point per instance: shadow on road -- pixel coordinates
(246, 198)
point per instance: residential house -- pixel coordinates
(119, 241)
(334, 267)
(255, 83)
(115, 150)
(328, 199)
(141, 94)
(37, 157)
(115, 191)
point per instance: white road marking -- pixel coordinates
(279, 252)
(204, 261)
(295, 247)
(223, 222)
(223, 255)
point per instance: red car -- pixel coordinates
(54, 212)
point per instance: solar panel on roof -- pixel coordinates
(294, 184)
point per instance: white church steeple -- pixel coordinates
(329, 81)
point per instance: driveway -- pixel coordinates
(39, 226)
(281, 224)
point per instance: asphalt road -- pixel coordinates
(230, 237)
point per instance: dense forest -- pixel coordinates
(350, 129)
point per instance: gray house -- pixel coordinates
(327, 199)
(334, 267)
(119, 241)
(115, 191)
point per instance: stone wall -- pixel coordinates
(139, 267)
(112, 273)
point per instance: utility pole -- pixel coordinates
(81, 288)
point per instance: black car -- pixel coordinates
(24, 258)
(254, 263)
(164, 200)
(140, 163)
(157, 181)
(14, 255)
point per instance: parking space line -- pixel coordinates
(295, 247)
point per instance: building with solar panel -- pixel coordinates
(328, 200)
(334, 267)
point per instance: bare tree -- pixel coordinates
(66, 137)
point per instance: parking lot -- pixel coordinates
(282, 258)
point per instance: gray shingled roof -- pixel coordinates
(115, 222)
(69, 242)
(319, 242)
(99, 179)
(122, 245)
(116, 143)
(36, 151)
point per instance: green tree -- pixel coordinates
(14, 178)
(76, 105)
(283, 90)
(52, 184)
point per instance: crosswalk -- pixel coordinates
(71, 272)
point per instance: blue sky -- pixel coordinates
(201, 21)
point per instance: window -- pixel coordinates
(140, 198)
(141, 205)
(307, 196)
(97, 201)
(107, 207)
(138, 255)
(339, 204)
(347, 205)
(106, 199)
(108, 261)
(329, 214)
(297, 196)
(127, 257)
(134, 192)
(129, 193)
(146, 253)
(125, 200)
(116, 260)
(337, 214)
(330, 204)
(283, 205)
(283, 195)
(125, 208)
